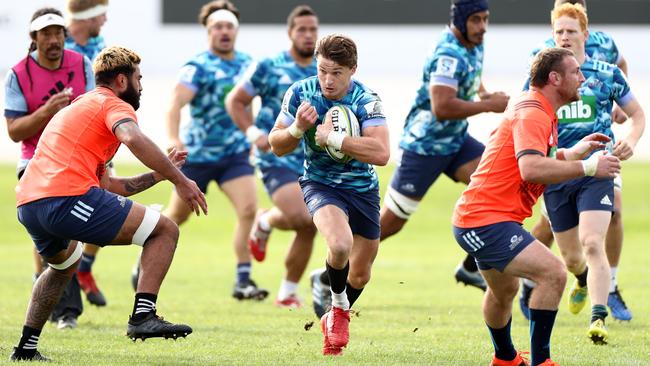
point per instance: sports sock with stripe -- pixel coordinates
(541, 326)
(243, 273)
(144, 304)
(29, 340)
(502, 341)
(598, 312)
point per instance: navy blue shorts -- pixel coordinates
(416, 173)
(495, 245)
(221, 171)
(565, 201)
(362, 209)
(275, 177)
(94, 217)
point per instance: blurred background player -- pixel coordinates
(599, 46)
(580, 210)
(217, 149)
(85, 21)
(435, 138)
(37, 87)
(520, 159)
(343, 199)
(60, 197)
(270, 79)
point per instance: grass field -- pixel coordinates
(412, 312)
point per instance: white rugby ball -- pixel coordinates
(345, 122)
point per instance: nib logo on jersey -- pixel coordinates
(583, 110)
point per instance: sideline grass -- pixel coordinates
(412, 312)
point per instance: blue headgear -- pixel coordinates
(462, 9)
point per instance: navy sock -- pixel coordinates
(582, 277)
(144, 304)
(243, 272)
(503, 347)
(353, 293)
(86, 264)
(29, 340)
(338, 277)
(470, 264)
(541, 326)
(598, 312)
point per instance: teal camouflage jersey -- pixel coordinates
(270, 79)
(599, 46)
(210, 134)
(604, 84)
(449, 64)
(94, 46)
(319, 167)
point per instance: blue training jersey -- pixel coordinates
(605, 83)
(599, 46)
(270, 79)
(94, 46)
(354, 175)
(211, 135)
(453, 65)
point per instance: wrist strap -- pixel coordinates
(253, 133)
(589, 166)
(295, 131)
(335, 139)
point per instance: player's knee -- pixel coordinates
(246, 212)
(340, 247)
(167, 229)
(593, 244)
(400, 205)
(359, 279)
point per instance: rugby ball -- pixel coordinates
(345, 122)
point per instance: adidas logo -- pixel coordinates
(605, 201)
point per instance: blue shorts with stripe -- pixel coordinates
(221, 171)
(495, 245)
(362, 209)
(94, 217)
(275, 177)
(565, 201)
(416, 173)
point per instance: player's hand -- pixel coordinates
(496, 102)
(176, 144)
(190, 193)
(623, 150)
(322, 131)
(57, 102)
(306, 116)
(618, 116)
(584, 147)
(609, 166)
(262, 143)
(177, 157)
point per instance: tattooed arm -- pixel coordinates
(127, 186)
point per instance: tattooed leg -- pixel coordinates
(45, 295)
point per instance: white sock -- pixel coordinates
(287, 288)
(264, 221)
(612, 282)
(529, 283)
(340, 300)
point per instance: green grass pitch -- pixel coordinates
(411, 313)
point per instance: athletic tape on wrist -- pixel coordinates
(335, 139)
(253, 133)
(295, 131)
(590, 165)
